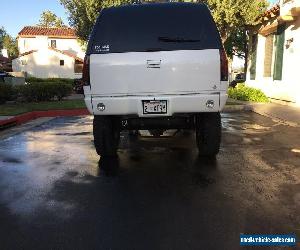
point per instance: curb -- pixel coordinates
(19, 119)
(237, 108)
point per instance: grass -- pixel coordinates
(20, 108)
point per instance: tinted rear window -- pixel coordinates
(154, 27)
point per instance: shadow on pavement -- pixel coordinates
(109, 166)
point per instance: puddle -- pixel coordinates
(11, 160)
(74, 134)
(255, 127)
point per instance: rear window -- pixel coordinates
(154, 27)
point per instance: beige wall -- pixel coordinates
(289, 87)
(45, 63)
(70, 45)
(26, 44)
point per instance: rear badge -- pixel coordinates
(102, 48)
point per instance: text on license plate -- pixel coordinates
(155, 107)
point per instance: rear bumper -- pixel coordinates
(177, 104)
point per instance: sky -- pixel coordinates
(15, 14)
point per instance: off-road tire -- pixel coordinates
(106, 135)
(208, 133)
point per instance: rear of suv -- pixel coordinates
(155, 67)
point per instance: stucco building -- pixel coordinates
(274, 52)
(49, 53)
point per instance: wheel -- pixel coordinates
(106, 135)
(208, 133)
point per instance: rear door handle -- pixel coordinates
(153, 64)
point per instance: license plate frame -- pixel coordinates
(149, 107)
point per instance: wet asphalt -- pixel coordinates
(158, 194)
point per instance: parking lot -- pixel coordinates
(158, 194)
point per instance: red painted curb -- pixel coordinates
(19, 119)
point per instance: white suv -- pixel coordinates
(156, 67)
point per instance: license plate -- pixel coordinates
(155, 107)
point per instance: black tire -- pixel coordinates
(106, 132)
(208, 133)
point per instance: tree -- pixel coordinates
(232, 15)
(83, 13)
(49, 19)
(2, 35)
(11, 45)
(233, 18)
(235, 43)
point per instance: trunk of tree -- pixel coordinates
(230, 68)
(224, 35)
(224, 38)
(246, 53)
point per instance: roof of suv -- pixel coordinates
(139, 27)
(147, 6)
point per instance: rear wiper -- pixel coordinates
(177, 40)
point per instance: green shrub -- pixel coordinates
(53, 80)
(244, 93)
(6, 92)
(34, 79)
(44, 91)
(62, 90)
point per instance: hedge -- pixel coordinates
(52, 80)
(44, 91)
(244, 93)
(35, 91)
(7, 92)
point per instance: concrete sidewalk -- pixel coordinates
(284, 113)
(287, 114)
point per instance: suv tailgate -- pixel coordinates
(148, 73)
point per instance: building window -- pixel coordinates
(279, 45)
(78, 66)
(53, 44)
(253, 57)
(62, 62)
(268, 56)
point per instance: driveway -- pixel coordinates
(54, 194)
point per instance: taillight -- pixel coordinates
(86, 71)
(224, 65)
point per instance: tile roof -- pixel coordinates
(27, 53)
(274, 11)
(43, 31)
